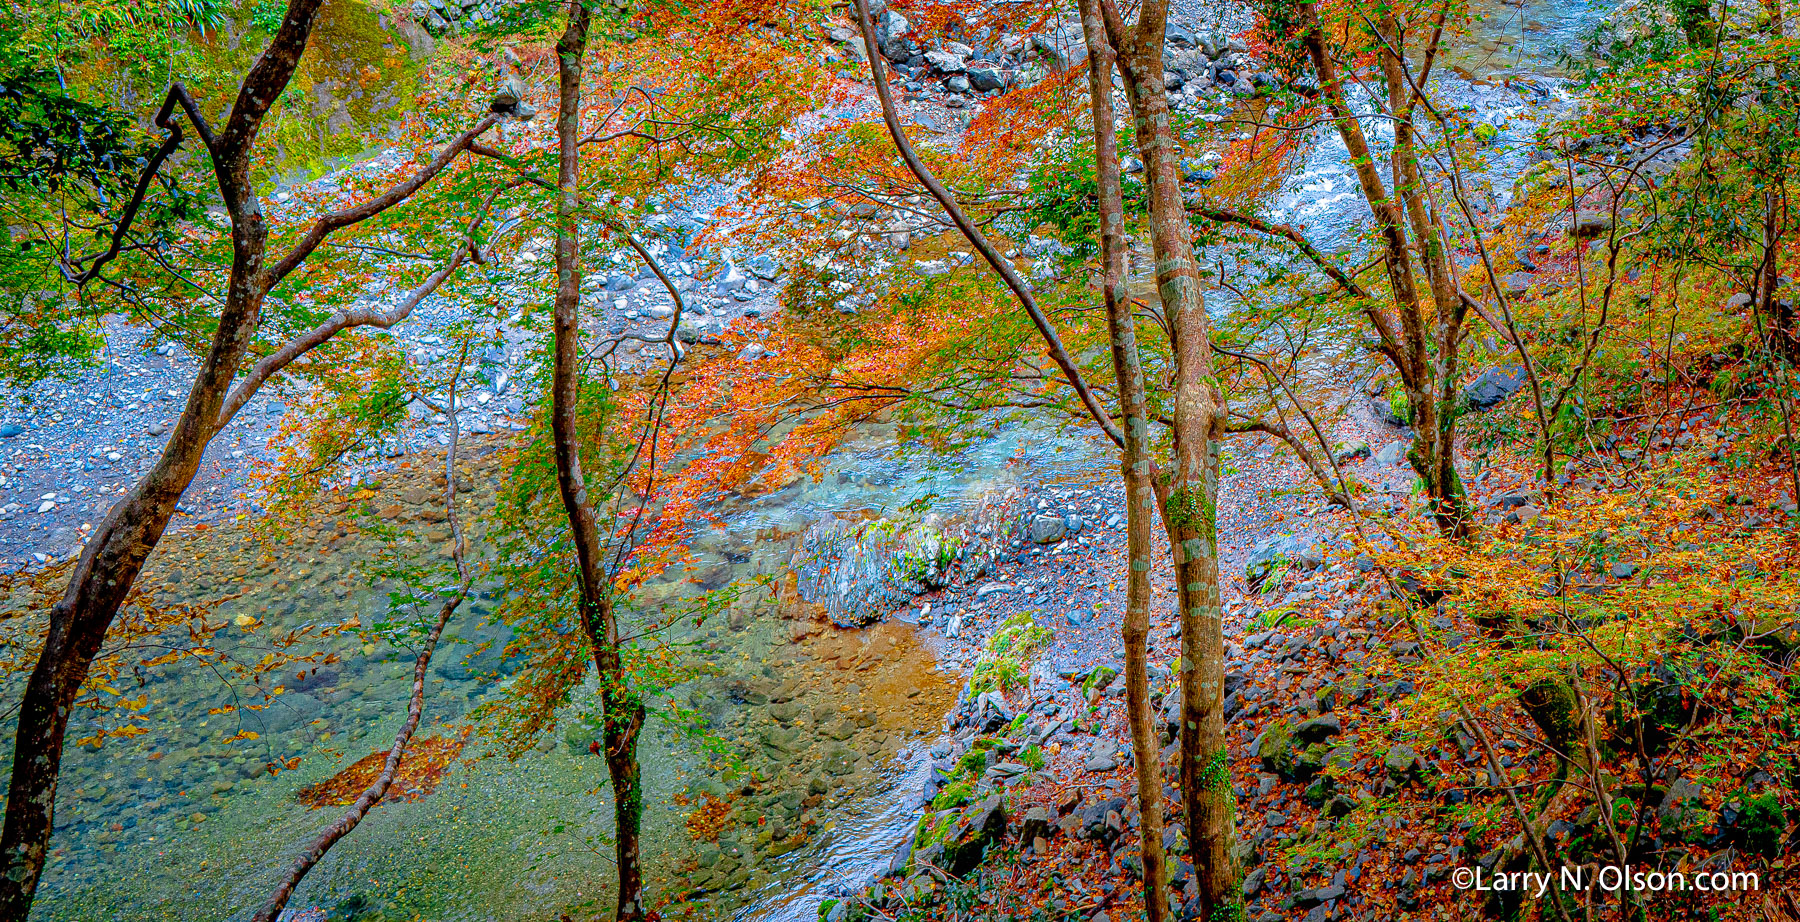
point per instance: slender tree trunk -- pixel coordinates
(1135, 464)
(114, 556)
(624, 712)
(1189, 492)
(1427, 375)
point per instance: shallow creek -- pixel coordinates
(180, 824)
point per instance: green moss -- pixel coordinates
(1762, 824)
(955, 795)
(1396, 398)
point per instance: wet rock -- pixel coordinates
(840, 762)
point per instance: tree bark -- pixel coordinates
(1427, 374)
(1188, 493)
(623, 710)
(1135, 464)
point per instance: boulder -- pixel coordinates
(1048, 529)
(1683, 812)
(1063, 47)
(1591, 223)
(1038, 821)
(1318, 729)
(986, 77)
(1401, 761)
(1493, 387)
(1515, 284)
(946, 62)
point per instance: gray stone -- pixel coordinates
(986, 77)
(1516, 284)
(1391, 454)
(1064, 47)
(957, 84)
(1318, 728)
(1104, 757)
(979, 827)
(1037, 821)
(946, 62)
(1592, 223)
(1048, 529)
(1493, 387)
(1401, 760)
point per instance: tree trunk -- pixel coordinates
(109, 567)
(624, 712)
(1427, 375)
(1135, 465)
(1189, 492)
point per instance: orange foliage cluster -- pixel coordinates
(708, 819)
(423, 767)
